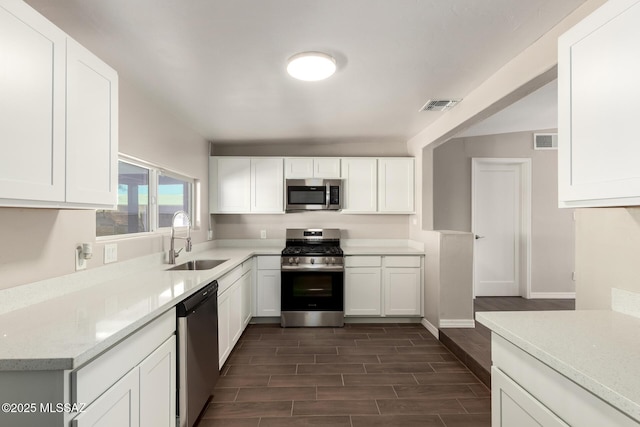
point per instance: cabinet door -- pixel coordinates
(599, 148)
(92, 129)
(235, 312)
(224, 334)
(118, 406)
(326, 167)
(32, 106)
(246, 285)
(363, 291)
(267, 185)
(360, 185)
(402, 296)
(268, 293)
(298, 167)
(158, 387)
(511, 405)
(396, 185)
(229, 184)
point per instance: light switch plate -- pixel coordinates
(263, 234)
(110, 253)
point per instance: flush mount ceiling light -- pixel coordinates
(311, 66)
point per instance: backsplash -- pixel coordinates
(352, 226)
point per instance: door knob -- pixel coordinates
(478, 237)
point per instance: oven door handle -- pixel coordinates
(336, 269)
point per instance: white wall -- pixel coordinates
(40, 243)
(607, 255)
(552, 229)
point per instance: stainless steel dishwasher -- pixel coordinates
(198, 369)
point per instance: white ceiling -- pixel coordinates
(220, 64)
(536, 111)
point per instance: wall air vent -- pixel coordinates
(439, 104)
(545, 141)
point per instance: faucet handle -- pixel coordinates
(188, 245)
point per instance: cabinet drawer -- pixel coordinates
(94, 378)
(363, 261)
(229, 279)
(269, 262)
(402, 261)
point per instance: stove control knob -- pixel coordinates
(313, 260)
(290, 260)
(326, 261)
(297, 260)
(333, 260)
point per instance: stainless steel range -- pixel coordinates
(312, 273)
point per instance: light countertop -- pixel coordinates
(598, 350)
(63, 330)
(67, 331)
(381, 250)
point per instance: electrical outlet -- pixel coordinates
(81, 263)
(263, 234)
(210, 235)
(110, 253)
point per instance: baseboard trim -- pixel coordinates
(552, 295)
(429, 326)
(457, 323)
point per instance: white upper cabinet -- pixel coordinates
(58, 117)
(92, 128)
(230, 184)
(267, 185)
(598, 84)
(307, 167)
(378, 185)
(396, 185)
(360, 185)
(246, 185)
(32, 106)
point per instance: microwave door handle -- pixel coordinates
(328, 194)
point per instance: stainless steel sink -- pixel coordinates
(199, 264)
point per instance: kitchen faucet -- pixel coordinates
(173, 254)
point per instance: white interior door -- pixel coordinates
(499, 216)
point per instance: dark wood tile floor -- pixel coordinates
(357, 376)
(473, 345)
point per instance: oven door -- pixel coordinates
(312, 291)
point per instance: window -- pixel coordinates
(174, 194)
(147, 199)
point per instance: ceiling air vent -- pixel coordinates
(439, 104)
(545, 141)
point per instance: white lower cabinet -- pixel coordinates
(527, 392)
(246, 290)
(132, 384)
(157, 382)
(118, 406)
(363, 291)
(234, 309)
(268, 287)
(235, 312)
(402, 291)
(515, 407)
(224, 334)
(383, 285)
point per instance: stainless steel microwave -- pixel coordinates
(313, 194)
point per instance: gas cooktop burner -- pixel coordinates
(312, 250)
